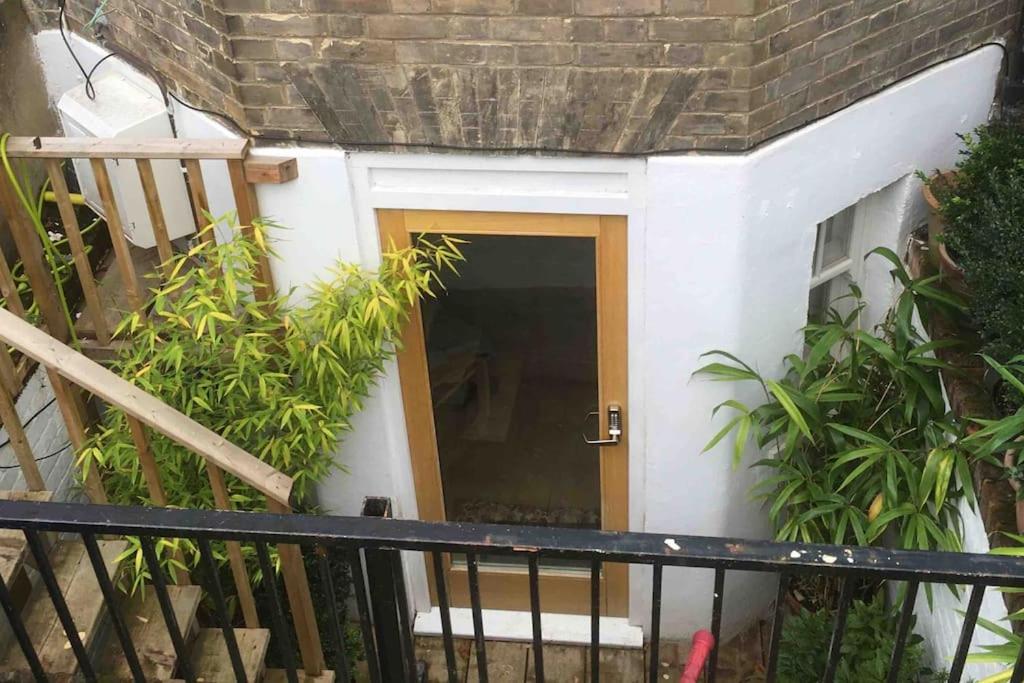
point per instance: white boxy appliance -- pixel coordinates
(124, 109)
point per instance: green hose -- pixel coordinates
(53, 257)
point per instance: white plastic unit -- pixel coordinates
(123, 109)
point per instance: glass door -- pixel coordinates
(502, 374)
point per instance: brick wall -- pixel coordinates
(622, 75)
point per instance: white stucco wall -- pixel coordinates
(720, 250)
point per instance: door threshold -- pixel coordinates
(568, 629)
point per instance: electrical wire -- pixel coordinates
(26, 423)
(45, 457)
(90, 89)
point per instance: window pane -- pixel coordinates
(836, 242)
(817, 304)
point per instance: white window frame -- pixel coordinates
(852, 264)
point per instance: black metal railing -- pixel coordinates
(371, 547)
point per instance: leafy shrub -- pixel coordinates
(867, 645)
(984, 212)
(279, 379)
(860, 437)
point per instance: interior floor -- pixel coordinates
(513, 374)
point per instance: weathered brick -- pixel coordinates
(253, 48)
(585, 30)
(471, 6)
(295, 49)
(521, 28)
(702, 29)
(406, 6)
(390, 26)
(736, 7)
(554, 53)
(625, 30)
(618, 55)
(263, 95)
(345, 6)
(684, 55)
(689, 8)
(617, 8)
(285, 25)
(472, 28)
(554, 8)
(365, 51)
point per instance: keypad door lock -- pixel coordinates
(614, 427)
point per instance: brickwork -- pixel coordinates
(601, 75)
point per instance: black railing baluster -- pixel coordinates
(60, 606)
(902, 631)
(110, 598)
(282, 638)
(478, 617)
(156, 576)
(1018, 667)
(956, 669)
(221, 608)
(405, 632)
(355, 562)
(838, 629)
(446, 617)
(716, 623)
(595, 621)
(18, 626)
(342, 669)
(655, 645)
(776, 639)
(538, 643)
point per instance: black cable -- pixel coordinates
(45, 457)
(36, 414)
(90, 89)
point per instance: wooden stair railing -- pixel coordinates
(243, 170)
(68, 369)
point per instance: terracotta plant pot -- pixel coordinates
(952, 273)
(1010, 460)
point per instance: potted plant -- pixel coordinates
(942, 184)
(969, 206)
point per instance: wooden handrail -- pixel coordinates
(126, 148)
(148, 409)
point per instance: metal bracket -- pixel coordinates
(614, 427)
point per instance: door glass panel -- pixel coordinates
(512, 357)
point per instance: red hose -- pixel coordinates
(703, 641)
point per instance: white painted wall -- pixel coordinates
(720, 257)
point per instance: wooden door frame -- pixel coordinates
(566, 591)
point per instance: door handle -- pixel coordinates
(614, 427)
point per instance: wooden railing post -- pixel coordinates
(78, 253)
(151, 473)
(73, 420)
(300, 599)
(9, 288)
(156, 214)
(16, 431)
(30, 249)
(117, 239)
(238, 571)
(248, 211)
